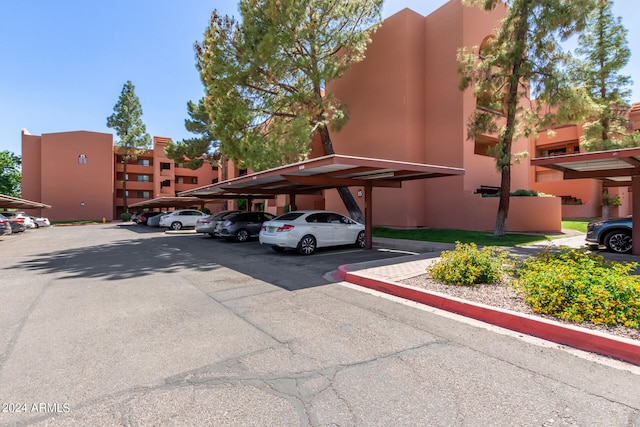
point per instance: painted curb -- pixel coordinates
(573, 336)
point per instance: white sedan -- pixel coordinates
(307, 230)
(181, 218)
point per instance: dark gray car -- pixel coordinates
(242, 226)
(614, 233)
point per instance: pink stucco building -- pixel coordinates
(405, 104)
(581, 198)
(80, 174)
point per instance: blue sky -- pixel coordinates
(64, 62)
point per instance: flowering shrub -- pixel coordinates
(577, 286)
(467, 265)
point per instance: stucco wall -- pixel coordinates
(31, 174)
(77, 190)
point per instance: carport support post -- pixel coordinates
(635, 218)
(368, 216)
(292, 201)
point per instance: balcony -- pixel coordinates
(135, 186)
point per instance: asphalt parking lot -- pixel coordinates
(124, 325)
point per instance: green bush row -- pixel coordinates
(569, 284)
(574, 285)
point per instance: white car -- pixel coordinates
(307, 230)
(40, 221)
(20, 217)
(181, 218)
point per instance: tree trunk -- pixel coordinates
(503, 206)
(124, 184)
(345, 194)
(224, 165)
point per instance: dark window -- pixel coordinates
(165, 183)
(144, 162)
(143, 178)
(242, 172)
(289, 216)
(318, 218)
(165, 166)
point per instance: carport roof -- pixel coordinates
(8, 202)
(165, 202)
(312, 176)
(614, 167)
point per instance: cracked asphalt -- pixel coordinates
(115, 325)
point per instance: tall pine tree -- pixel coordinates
(522, 62)
(601, 54)
(265, 77)
(126, 120)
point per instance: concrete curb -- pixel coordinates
(573, 336)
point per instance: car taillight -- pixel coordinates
(227, 223)
(202, 221)
(285, 227)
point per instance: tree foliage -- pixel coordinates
(203, 147)
(518, 76)
(265, 77)
(126, 120)
(601, 54)
(10, 174)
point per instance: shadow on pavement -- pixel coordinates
(121, 260)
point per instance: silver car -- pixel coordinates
(5, 226)
(181, 218)
(208, 224)
(241, 226)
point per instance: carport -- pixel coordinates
(171, 202)
(615, 168)
(322, 173)
(8, 202)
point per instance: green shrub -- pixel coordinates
(125, 216)
(467, 265)
(574, 285)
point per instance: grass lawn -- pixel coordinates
(445, 235)
(579, 224)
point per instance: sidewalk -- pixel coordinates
(384, 276)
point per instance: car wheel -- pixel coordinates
(307, 245)
(277, 248)
(242, 235)
(361, 240)
(176, 225)
(618, 241)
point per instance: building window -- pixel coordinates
(242, 172)
(165, 183)
(194, 179)
(144, 162)
(484, 145)
(165, 166)
(179, 164)
(179, 180)
(144, 194)
(143, 178)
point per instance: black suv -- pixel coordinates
(614, 233)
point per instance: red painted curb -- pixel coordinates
(582, 339)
